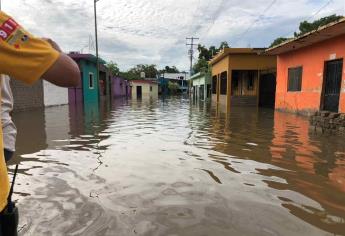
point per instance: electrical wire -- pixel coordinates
(312, 16)
(238, 36)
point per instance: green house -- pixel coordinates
(92, 88)
(201, 85)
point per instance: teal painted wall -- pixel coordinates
(89, 94)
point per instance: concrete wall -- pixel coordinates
(54, 95)
(27, 97)
(312, 58)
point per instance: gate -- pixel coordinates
(333, 76)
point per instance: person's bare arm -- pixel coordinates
(64, 72)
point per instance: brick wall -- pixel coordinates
(27, 97)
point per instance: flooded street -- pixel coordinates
(175, 167)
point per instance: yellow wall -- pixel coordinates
(251, 62)
(220, 67)
(145, 89)
(240, 62)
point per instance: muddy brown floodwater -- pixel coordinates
(175, 167)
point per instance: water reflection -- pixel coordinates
(177, 167)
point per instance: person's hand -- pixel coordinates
(53, 44)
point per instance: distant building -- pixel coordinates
(310, 71)
(180, 78)
(243, 77)
(120, 87)
(201, 85)
(144, 89)
(91, 88)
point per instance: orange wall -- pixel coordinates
(312, 59)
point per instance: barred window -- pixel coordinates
(223, 82)
(295, 79)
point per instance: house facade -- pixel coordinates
(310, 71)
(243, 77)
(201, 86)
(120, 87)
(144, 89)
(91, 88)
(179, 78)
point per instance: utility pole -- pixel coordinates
(191, 52)
(96, 36)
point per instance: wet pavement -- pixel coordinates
(175, 167)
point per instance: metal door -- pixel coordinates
(333, 76)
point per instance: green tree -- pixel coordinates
(201, 65)
(223, 44)
(306, 27)
(134, 73)
(168, 69)
(279, 41)
(113, 68)
(173, 87)
(206, 54)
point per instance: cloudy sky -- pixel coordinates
(153, 31)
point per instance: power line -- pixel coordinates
(312, 16)
(256, 20)
(214, 18)
(194, 16)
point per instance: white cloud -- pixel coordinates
(151, 31)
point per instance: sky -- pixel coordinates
(132, 32)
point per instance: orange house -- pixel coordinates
(310, 72)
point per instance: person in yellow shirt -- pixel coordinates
(28, 58)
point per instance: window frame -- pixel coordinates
(294, 79)
(223, 79)
(91, 75)
(214, 84)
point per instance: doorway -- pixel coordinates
(332, 85)
(267, 90)
(139, 92)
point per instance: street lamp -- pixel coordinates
(96, 36)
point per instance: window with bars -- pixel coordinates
(295, 79)
(223, 82)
